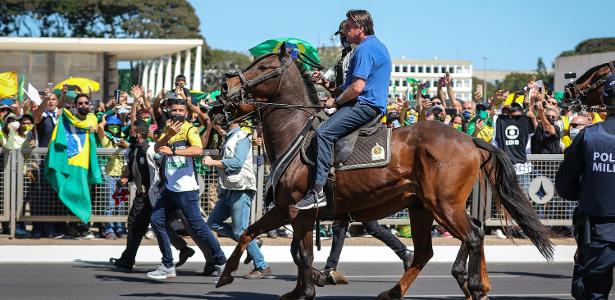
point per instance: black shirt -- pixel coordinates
(512, 135)
(545, 143)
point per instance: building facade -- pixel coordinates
(578, 64)
(430, 71)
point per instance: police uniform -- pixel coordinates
(587, 174)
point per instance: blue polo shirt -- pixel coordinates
(371, 62)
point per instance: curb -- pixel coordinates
(274, 254)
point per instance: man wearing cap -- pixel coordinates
(587, 174)
(481, 125)
(364, 97)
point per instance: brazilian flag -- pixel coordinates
(71, 163)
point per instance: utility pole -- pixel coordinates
(485, 78)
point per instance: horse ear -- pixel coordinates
(283, 52)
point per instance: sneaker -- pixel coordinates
(110, 236)
(248, 259)
(498, 233)
(120, 264)
(87, 235)
(162, 273)
(258, 274)
(311, 200)
(150, 235)
(184, 254)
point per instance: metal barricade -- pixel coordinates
(36, 201)
(5, 187)
(539, 187)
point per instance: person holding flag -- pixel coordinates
(71, 163)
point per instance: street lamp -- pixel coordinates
(485, 78)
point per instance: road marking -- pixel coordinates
(424, 276)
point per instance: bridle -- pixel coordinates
(579, 94)
(243, 96)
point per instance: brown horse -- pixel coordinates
(431, 172)
(585, 91)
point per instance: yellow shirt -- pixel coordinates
(179, 170)
(116, 163)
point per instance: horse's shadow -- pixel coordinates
(235, 295)
(533, 274)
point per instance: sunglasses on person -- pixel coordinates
(575, 125)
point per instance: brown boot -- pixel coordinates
(258, 274)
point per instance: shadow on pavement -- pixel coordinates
(540, 275)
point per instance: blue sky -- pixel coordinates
(512, 34)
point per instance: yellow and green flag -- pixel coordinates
(71, 164)
(8, 84)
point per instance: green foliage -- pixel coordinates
(217, 62)
(99, 18)
(597, 45)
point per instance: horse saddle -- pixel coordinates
(366, 147)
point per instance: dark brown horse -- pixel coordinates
(431, 172)
(585, 92)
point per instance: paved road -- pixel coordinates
(87, 280)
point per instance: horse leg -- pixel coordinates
(302, 252)
(421, 221)
(267, 222)
(460, 271)
(459, 224)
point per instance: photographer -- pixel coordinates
(546, 140)
(481, 125)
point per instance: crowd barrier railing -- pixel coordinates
(28, 197)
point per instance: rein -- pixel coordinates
(582, 93)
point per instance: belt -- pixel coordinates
(376, 109)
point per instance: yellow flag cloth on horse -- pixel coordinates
(71, 164)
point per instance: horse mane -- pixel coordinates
(590, 72)
(309, 85)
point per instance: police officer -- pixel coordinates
(587, 174)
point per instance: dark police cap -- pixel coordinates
(609, 87)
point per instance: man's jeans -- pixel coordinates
(188, 203)
(111, 227)
(344, 121)
(236, 205)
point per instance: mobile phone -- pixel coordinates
(570, 75)
(116, 94)
(451, 111)
(42, 93)
(479, 88)
(170, 95)
(176, 118)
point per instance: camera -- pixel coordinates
(570, 75)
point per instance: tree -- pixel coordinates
(589, 46)
(217, 62)
(99, 18)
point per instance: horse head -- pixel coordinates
(587, 89)
(259, 82)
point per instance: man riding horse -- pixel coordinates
(364, 96)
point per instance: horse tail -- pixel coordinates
(503, 179)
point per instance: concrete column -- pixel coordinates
(168, 81)
(144, 78)
(178, 67)
(152, 79)
(187, 68)
(198, 75)
(160, 75)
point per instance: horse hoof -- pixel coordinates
(294, 296)
(337, 277)
(224, 280)
(391, 294)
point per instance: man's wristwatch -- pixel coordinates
(337, 101)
